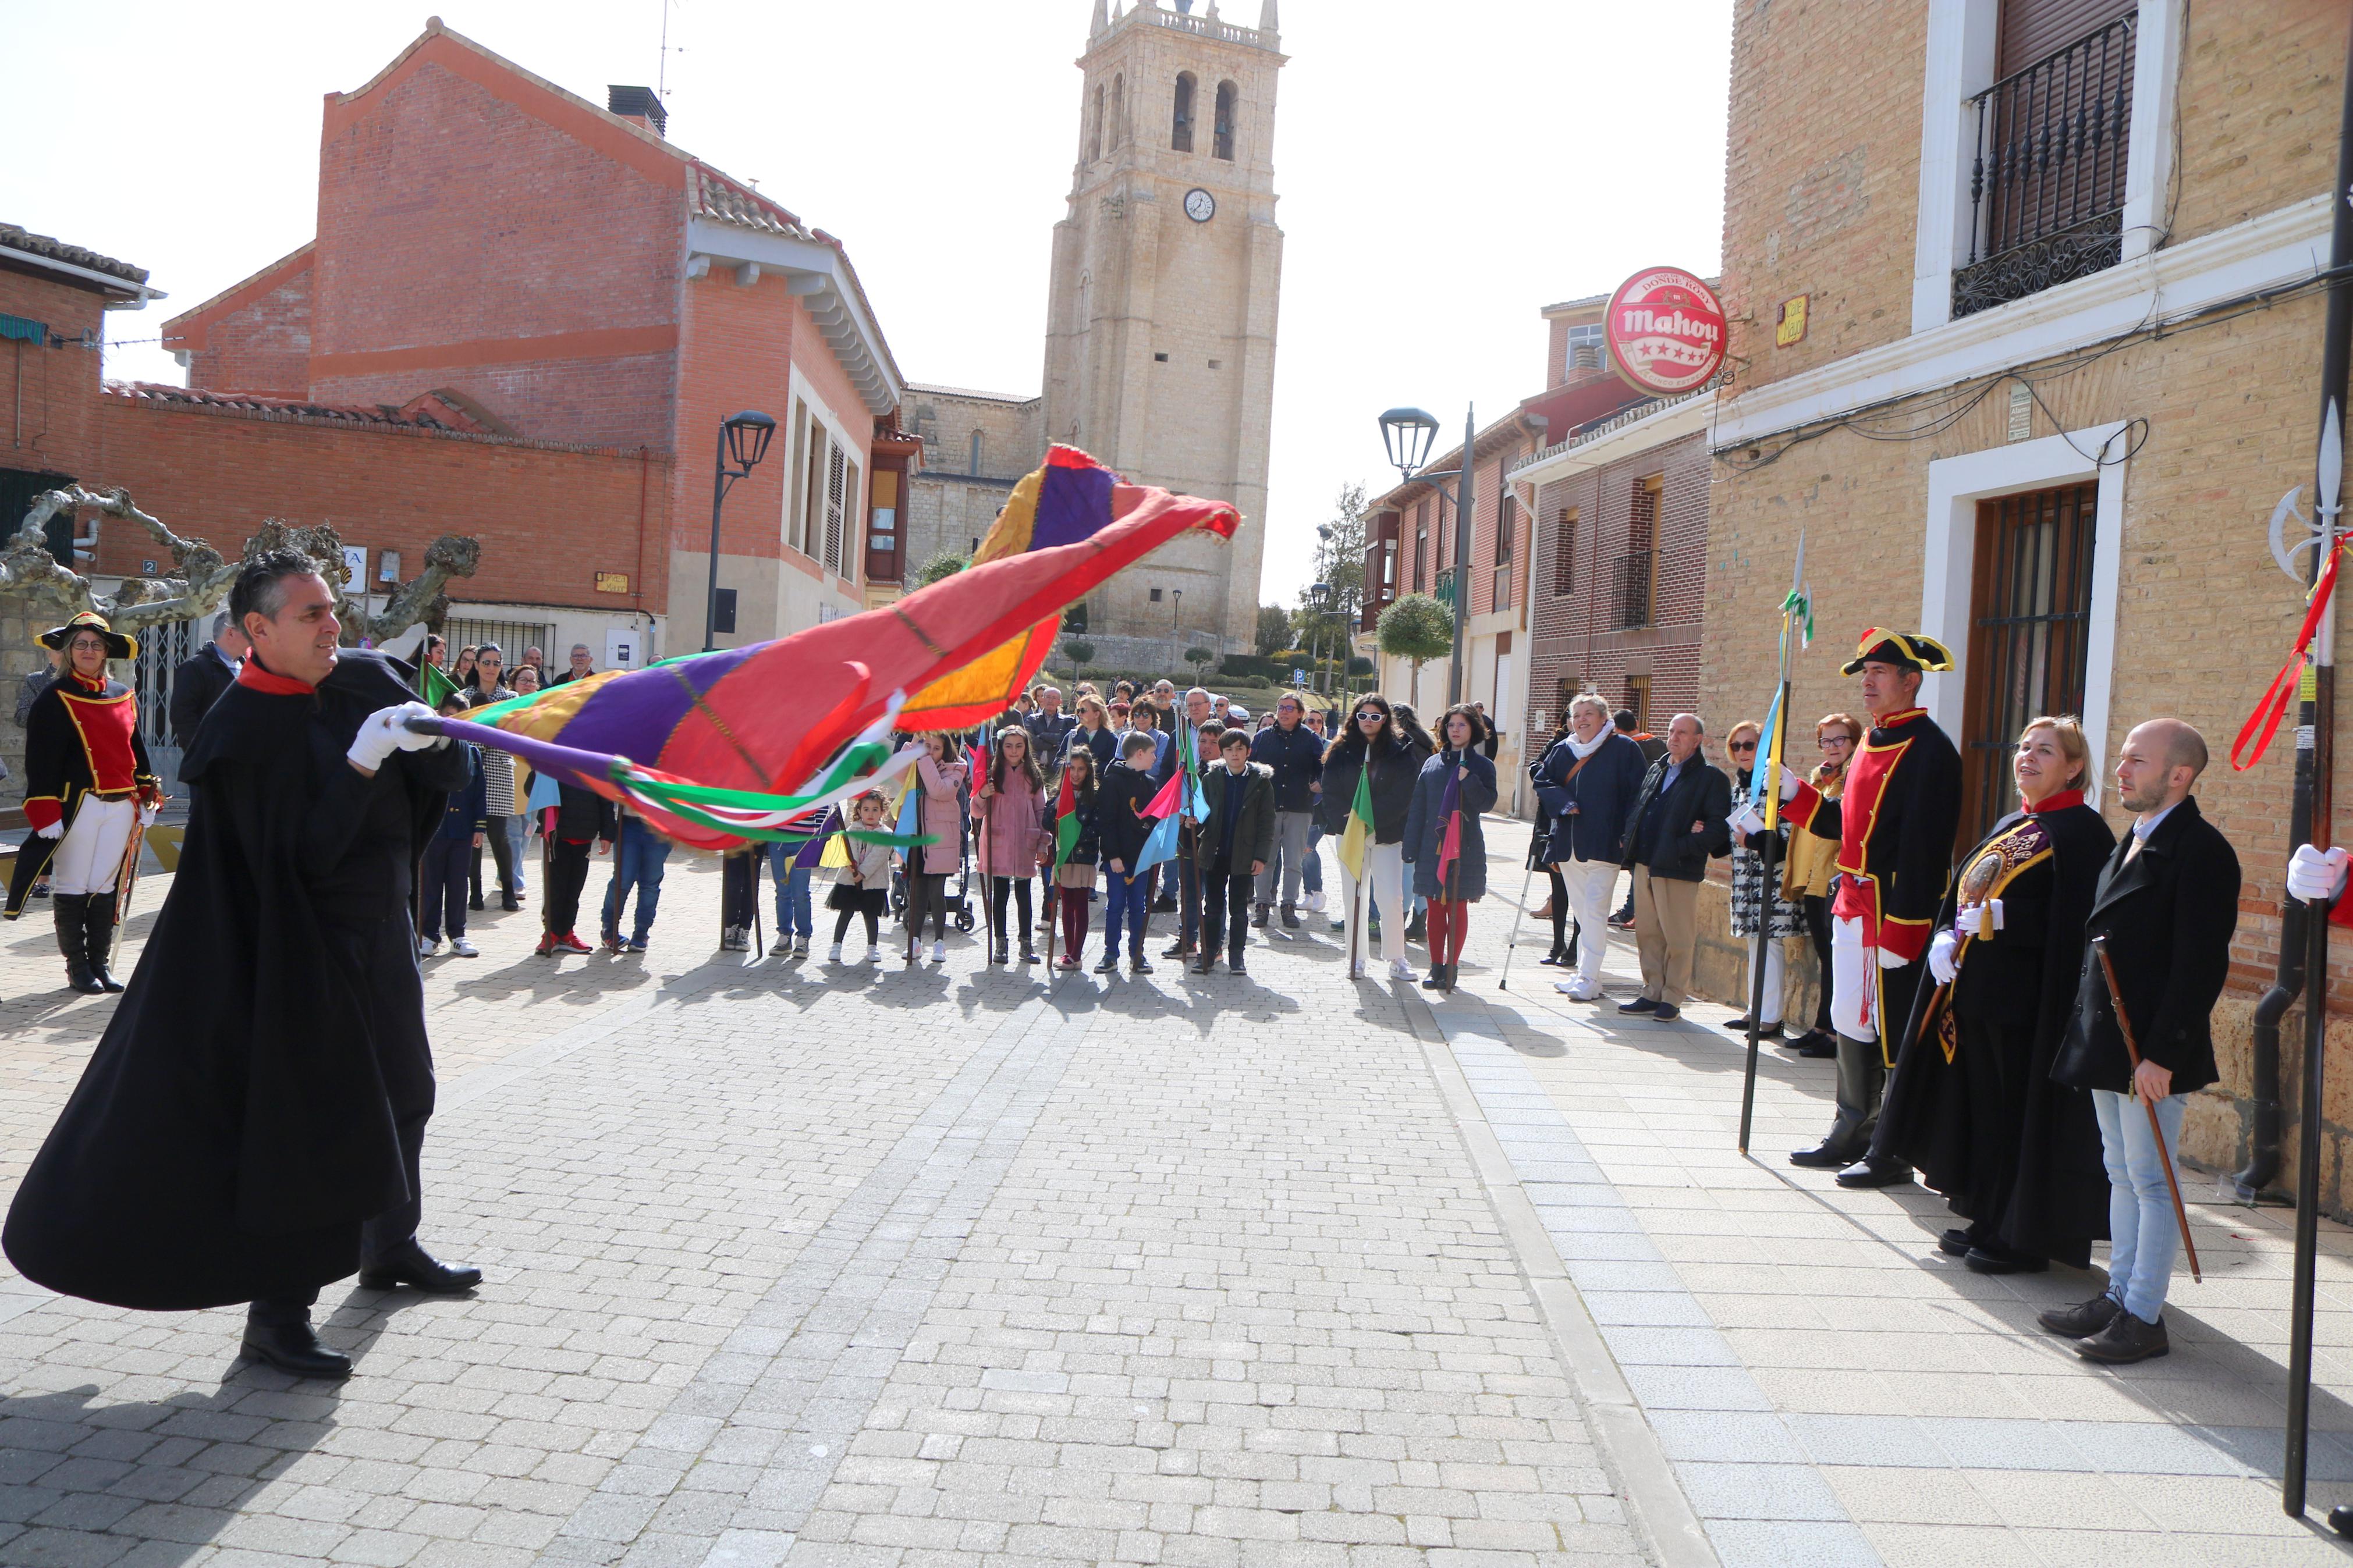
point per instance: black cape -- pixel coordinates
(2010, 1149)
(233, 1129)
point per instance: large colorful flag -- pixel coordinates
(1161, 845)
(1358, 837)
(718, 749)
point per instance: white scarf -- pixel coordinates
(1581, 750)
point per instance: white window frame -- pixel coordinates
(1948, 562)
(1960, 63)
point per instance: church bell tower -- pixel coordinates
(1160, 323)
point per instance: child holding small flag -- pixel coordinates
(938, 815)
(1076, 825)
(1010, 809)
(862, 887)
(1125, 831)
(1368, 779)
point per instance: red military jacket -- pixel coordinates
(1895, 823)
(82, 737)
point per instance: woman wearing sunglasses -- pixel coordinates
(1749, 895)
(1374, 750)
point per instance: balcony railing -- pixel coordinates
(1629, 592)
(2047, 184)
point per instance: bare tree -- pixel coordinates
(200, 578)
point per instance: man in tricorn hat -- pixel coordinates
(87, 789)
(1895, 825)
(249, 1125)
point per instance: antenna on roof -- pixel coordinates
(661, 67)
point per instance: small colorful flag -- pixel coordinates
(1066, 821)
(435, 682)
(1450, 843)
(1357, 838)
(1161, 845)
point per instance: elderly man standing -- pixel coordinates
(1895, 823)
(2167, 903)
(1588, 781)
(583, 666)
(199, 681)
(1295, 754)
(1675, 827)
(249, 1127)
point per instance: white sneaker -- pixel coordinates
(783, 948)
(800, 947)
(1400, 970)
(1575, 990)
(873, 953)
(939, 953)
(835, 956)
(1315, 901)
(426, 947)
(460, 948)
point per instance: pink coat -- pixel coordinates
(1014, 831)
(940, 816)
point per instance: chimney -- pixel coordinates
(639, 105)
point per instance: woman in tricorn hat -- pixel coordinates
(88, 787)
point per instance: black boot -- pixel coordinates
(1417, 928)
(72, 912)
(98, 929)
(293, 1348)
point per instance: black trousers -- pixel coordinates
(739, 890)
(999, 886)
(1225, 911)
(567, 873)
(502, 853)
(1817, 926)
(379, 961)
(1188, 893)
(927, 898)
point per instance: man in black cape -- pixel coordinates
(1972, 1103)
(249, 1127)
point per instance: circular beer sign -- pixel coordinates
(1665, 332)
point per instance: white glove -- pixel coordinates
(384, 731)
(2315, 875)
(1942, 962)
(1890, 959)
(1789, 784)
(1980, 919)
(1745, 821)
(53, 830)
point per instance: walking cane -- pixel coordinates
(1519, 913)
(2132, 1050)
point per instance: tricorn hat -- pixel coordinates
(118, 645)
(1904, 651)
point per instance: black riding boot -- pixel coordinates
(72, 912)
(98, 929)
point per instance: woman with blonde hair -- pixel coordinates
(1813, 861)
(1972, 1103)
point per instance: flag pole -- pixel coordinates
(1767, 774)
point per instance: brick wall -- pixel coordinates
(549, 520)
(2259, 93)
(257, 337)
(47, 418)
(1573, 634)
(477, 231)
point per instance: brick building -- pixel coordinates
(2037, 408)
(560, 308)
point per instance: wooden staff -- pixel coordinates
(2132, 1052)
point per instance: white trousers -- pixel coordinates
(1591, 883)
(1855, 981)
(1775, 976)
(1385, 874)
(89, 855)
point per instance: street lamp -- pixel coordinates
(1176, 637)
(1321, 593)
(743, 442)
(1407, 433)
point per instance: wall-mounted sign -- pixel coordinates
(612, 581)
(147, 568)
(356, 567)
(1789, 326)
(387, 566)
(1665, 332)
(620, 651)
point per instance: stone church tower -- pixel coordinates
(1160, 323)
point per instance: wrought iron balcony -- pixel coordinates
(2047, 185)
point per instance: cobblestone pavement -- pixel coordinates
(792, 1263)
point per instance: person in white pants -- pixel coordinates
(89, 854)
(1588, 780)
(1385, 880)
(1376, 754)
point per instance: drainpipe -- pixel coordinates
(2315, 726)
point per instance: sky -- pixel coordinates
(1444, 169)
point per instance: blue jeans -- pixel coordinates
(2142, 1234)
(517, 843)
(1310, 865)
(1128, 903)
(638, 862)
(793, 917)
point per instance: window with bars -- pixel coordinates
(836, 465)
(1634, 577)
(1506, 518)
(1420, 546)
(1564, 556)
(2030, 628)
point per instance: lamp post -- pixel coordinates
(1407, 433)
(1176, 637)
(743, 442)
(1321, 593)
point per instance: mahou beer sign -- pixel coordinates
(1665, 332)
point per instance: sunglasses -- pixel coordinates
(1370, 717)
(1744, 745)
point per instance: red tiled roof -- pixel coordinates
(419, 413)
(13, 237)
(713, 195)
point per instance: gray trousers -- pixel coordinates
(1288, 858)
(1862, 1078)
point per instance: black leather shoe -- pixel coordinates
(1737, 1025)
(1989, 1259)
(419, 1270)
(1107, 965)
(2125, 1339)
(1954, 1243)
(294, 1350)
(1639, 1004)
(2081, 1320)
(1435, 978)
(1234, 966)
(1822, 1159)
(1205, 965)
(1817, 1045)
(1869, 1172)
(1178, 950)
(2340, 1520)
(1557, 955)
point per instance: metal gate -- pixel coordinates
(161, 650)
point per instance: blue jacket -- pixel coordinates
(1425, 825)
(1296, 759)
(1603, 792)
(469, 810)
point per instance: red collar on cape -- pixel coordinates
(251, 674)
(2059, 802)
